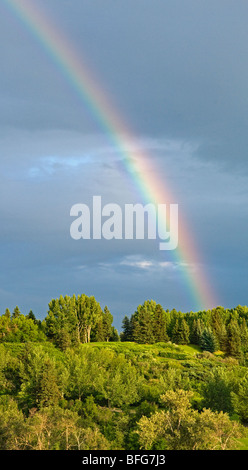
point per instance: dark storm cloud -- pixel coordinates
(177, 72)
(173, 68)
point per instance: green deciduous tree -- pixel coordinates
(12, 425)
(71, 319)
(52, 428)
(240, 399)
(217, 390)
(179, 427)
(122, 383)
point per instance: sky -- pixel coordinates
(176, 72)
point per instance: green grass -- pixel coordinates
(155, 348)
(158, 352)
(191, 349)
(243, 443)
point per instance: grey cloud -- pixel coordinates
(177, 73)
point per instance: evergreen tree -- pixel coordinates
(175, 332)
(7, 313)
(197, 329)
(159, 325)
(218, 326)
(107, 320)
(16, 313)
(98, 334)
(180, 330)
(143, 331)
(208, 341)
(222, 337)
(233, 339)
(114, 335)
(127, 334)
(48, 392)
(183, 332)
(244, 336)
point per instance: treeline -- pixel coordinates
(73, 320)
(70, 321)
(212, 330)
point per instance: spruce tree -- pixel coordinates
(127, 328)
(143, 331)
(208, 341)
(16, 313)
(114, 334)
(7, 313)
(31, 315)
(99, 332)
(175, 332)
(196, 332)
(222, 337)
(48, 392)
(244, 336)
(183, 332)
(233, 339)
(218, 326)
(159, 325)
(107, 320)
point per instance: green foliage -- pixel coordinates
(239, 399)
(97, 395)
(70, 321)
(68, 383)
(208, 340)
(196, 331)
(180, 332)
(12, 424)
(104, 331)
(147, 325)
(216, 329)
(217, 390)
(19, 329)
(233, 347)
(179, 427)
(127, 329)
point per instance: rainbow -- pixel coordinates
(138, 164)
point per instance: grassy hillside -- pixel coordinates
(108, 391)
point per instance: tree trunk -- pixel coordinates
(88, 333)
